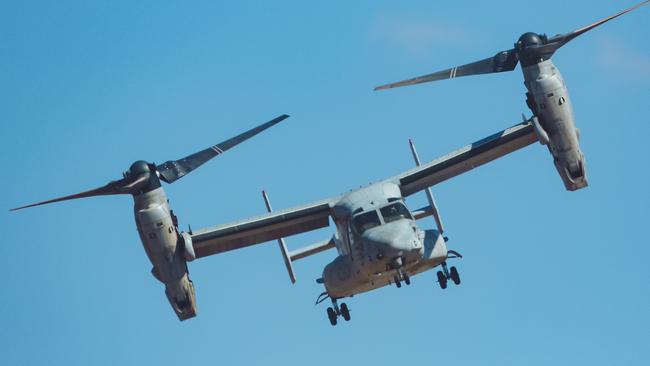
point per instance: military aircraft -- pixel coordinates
(377, 238)
(547, 95)
(168, 249)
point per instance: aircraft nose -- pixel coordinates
(395, 239)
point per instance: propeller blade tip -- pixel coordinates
(21, 207)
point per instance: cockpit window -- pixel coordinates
(395, 212)
(366, 221)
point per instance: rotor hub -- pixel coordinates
(527, 46)
(531, 39)
(138, 168)
(141, 175)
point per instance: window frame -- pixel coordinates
(401, 203)
(377, 215)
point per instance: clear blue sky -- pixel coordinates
(86, 88)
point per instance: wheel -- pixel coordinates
(345, 312)
(442, 280)
(331, 314)
(397, 281)
(407, 279)
(453, 273)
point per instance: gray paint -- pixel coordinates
(547, 95)
(372, 258)
(164, 246)
(167, 249)
(549, 100)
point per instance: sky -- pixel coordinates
(86, 88)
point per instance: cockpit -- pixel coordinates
(366, 220)
(392, 212)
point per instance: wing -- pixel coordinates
(261, 229)
(315, 215)
(466, 158)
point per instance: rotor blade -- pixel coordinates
(502, 61)
(172, 170)
(555, 42)
(114, 187)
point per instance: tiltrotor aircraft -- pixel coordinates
(168, 249)
(377, 238)
(547, 95)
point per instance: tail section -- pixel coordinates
(432, 201)
(288, 256)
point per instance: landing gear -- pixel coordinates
(447, 274)
(401, 276)
(331, 314)
(442, 280)
(407, 279)
(345, 312)
(453, 273)
(334, 311)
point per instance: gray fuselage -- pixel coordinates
(377, 237)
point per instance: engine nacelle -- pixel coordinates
(569, 162)
(182, 298)
(554, 124)
(572, 171)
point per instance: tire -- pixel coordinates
(453, 273)
(398, 283)
(331, 314)
(442, 280)
(407, 279)
(345, 312)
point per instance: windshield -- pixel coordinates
(366, 221)
(395, 212)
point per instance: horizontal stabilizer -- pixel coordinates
(289, 257)
(423, 212)
(312, 249)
